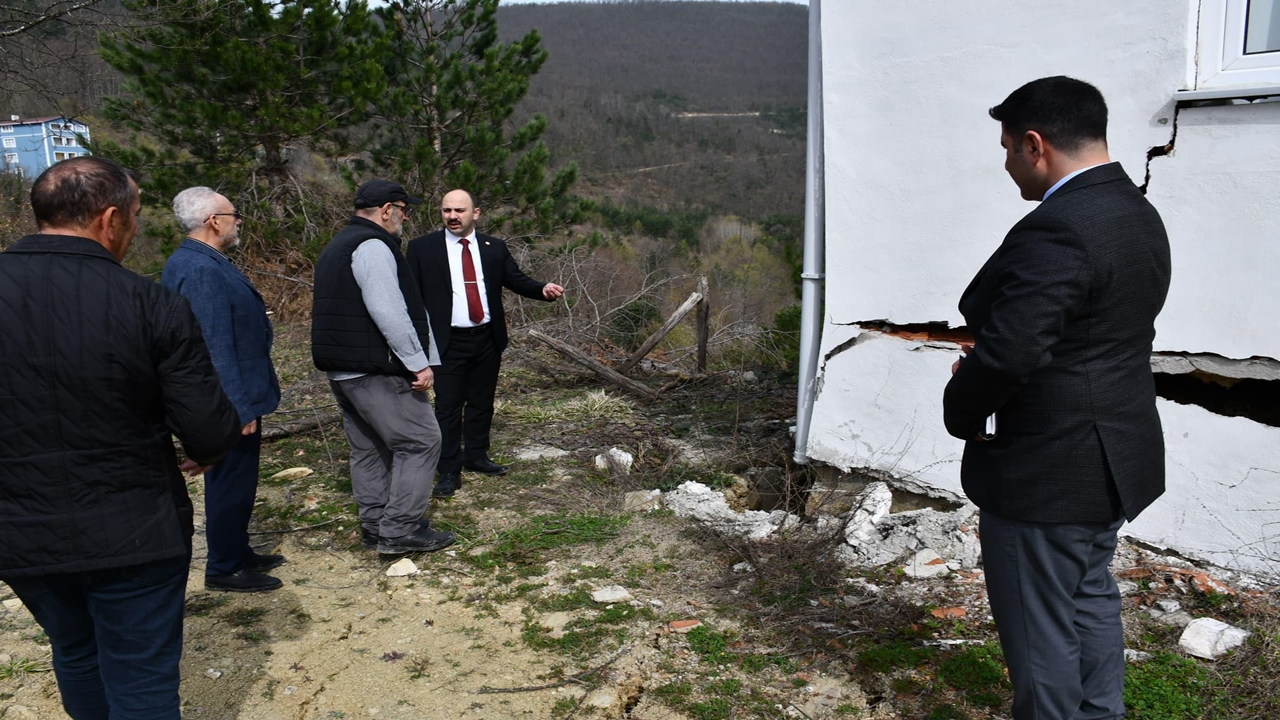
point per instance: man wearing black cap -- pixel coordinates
(369, 333)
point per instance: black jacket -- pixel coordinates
(343, 333)
(429, 262)
(100, 368)
(1063, 318)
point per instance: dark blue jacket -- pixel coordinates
(233, 319)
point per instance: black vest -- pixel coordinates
(343, 334)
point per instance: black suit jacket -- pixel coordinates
(1063, 316)
(429, 263)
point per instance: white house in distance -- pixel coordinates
(909, 195)
(31, 145)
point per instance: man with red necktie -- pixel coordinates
(460, 274)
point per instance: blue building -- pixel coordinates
(30, 146)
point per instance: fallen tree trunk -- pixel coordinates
(595, 366)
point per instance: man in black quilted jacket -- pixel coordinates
(101, 368)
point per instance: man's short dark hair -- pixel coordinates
(1068, 113)
(71, 193)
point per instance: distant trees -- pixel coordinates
(444, 120)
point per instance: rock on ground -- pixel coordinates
(641, 501)
(615, 459)
(697, 501)
(1211, 639)
(535, 452)
(611, 594)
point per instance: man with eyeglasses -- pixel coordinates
(233, 320)
(369, 333)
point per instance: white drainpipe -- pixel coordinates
(814, 242)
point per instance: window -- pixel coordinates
(6, 128)
(11, 158)
(60, 141)
(10, 142)
(1239, 44)
(59, 156)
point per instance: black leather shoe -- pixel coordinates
(420, 540)
(486, 466)
(449, 484)
(262, 563)
(243, 580)
(370, 540)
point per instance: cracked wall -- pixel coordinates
(917, 199)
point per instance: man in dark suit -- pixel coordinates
(461, 275)
(233, 320)
(1062, 316)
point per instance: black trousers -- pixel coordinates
(1057, 610)
(465, 386)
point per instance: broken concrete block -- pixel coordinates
(641, 501)
(212, 674)
(535, 452)
(615, 459)
(1211, 639)
(953, 535)
(1136, 656)
(1169, 606)
(611, 594)
(708, 507)
(870, 507)
(926, 564)
(13, 605)
(744, 567)
(602, 699)
(1127, 587)
(402, 568)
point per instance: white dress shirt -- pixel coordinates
(453, 246)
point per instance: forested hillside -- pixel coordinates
(619, 76)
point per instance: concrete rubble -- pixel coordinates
(615, 459)
(706, 506)
(402, 568)
(611, 594)
(641, 501)
(1211, 639)
(873, 535)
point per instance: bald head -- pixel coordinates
(459, 213)
(71, 193)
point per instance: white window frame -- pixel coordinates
(11, 142)
(6, 128)
(11, 158)
(1222, 62)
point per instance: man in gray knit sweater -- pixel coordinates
(369, 333)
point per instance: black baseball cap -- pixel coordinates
(377, 193)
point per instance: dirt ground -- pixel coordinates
(503, 625)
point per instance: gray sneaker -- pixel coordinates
(420, 540)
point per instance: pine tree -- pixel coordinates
(228, 89)
(445, 120)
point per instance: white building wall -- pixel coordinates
(917, 199)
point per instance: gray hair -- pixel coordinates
(193, 206)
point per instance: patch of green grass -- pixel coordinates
(563, 707)
(1166, 687)
(244, 617)
(673, 475)
(581, 637)
(528, 543)
(621, 613)
(198, 605)
(756, 663)
(978, 672)
(595, 405)
(946, 712)
(711, 646)
(674, 693)
(727, 687)
(18, 667)
(713, 709)
(887, 657)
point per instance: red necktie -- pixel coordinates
(474, 310)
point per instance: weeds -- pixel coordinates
(19, 667)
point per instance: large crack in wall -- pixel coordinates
(1247, 388)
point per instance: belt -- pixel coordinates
(477, 330)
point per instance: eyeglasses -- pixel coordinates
(403, 208)
(235, 215)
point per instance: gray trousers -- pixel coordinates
(1057, 609)
(395, 445)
